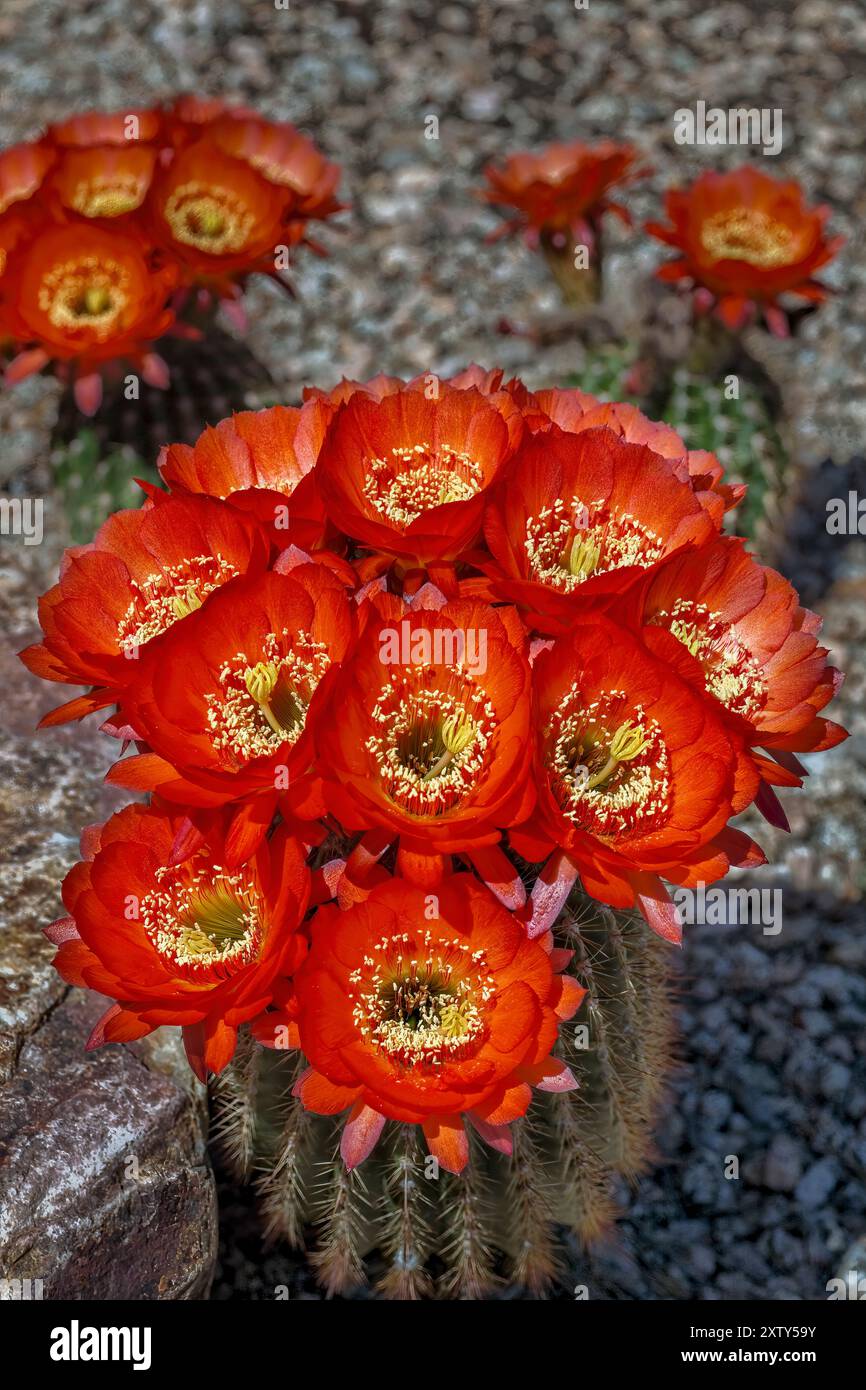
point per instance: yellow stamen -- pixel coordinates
(583, 557)
(456, 734)
(96, 299)
(627, 743)
(186, 602)
(260, 681)
(210, 221)
(750, 235)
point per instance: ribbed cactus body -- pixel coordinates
(743, 435)
(414, 1232)
(97, 459)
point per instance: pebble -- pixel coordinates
(817, 1183)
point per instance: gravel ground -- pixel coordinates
(772, 1027)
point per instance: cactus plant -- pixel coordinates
(742, 433)
(408, 789)
(97, 462)
(439, 1234)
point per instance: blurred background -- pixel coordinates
(772, 1033)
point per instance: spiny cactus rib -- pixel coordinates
(236, 1108)
(534, 1263)
(406, 1235)
(283, 1185)
(468, 1233)
(587, 1204)
(743, 435)
(339, 1206)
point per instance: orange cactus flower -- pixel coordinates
(285, 157)
(84, 295)
(563, 190)
(22, 171)
(426, 733)
(145, 571)
(223, 706)
(745, 238)
(190, 114)
(757, 651)
(640, 773)
(217, 214)
(489, 383)
(579, 512)
(573, 411)
(429, 1011)
(260, 459)
(104, 182)
(191, 943)
(139, 125)
(407, 474)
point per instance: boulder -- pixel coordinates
(106, 1191)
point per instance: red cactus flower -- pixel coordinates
(574, 411)
(139, 125)
(261, 459)
(107, 182)
(579, 512)
(640, 773)
(563, 189)
(756, 648)
(746, 238)
(190, 114)
(426, 733)
(192, 943)
(489, 383)
(285, 157)
(216, 213)
(22, 170)
(145, 571)
(407, 474)
(82, 294)
(431, 1011)
(224, 705)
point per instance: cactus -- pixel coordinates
(502, 1219)
(97, 460)
(605, 373)
(94, 481)
(743, 436)
(741, 432)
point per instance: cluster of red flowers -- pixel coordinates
(744, 238)
(400, 666)
(113, 226)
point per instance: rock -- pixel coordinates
(852, 1266)
(835, 1080)
(817, 1183)
(783, 1164)
(105, 1187)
